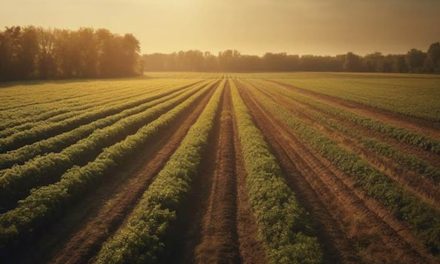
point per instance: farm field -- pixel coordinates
(221, 168)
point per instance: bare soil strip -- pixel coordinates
(425, 189)
(422, 154)
(217, 225)
(251, 248)
(78, 237)
(418, 125)
(370, 228)
(186, 233)
(219, 240)
(337, 247)
(85, 243)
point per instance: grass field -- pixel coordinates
(221, 168)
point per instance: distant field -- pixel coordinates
(412, 95)
(221, 168)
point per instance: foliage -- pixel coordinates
(406, 160)
(424, 219)
(232, 60)
(60, 141)
(141, 240)
(283, 224)
(419, 107)
(37, 53)
(45, 204)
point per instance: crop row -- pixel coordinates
(46, 204)
(58, 142)
(283, 224)
(44, 131)
(60, 111)
(424, 219)
(70, 111)
(47, 111)
(17, 181)
(37, 105)
(15, 101)
(49, 94)
(398, 133)
(19, 97)
(413, 97)
(405, 160)
(55, 110)
(141, 240)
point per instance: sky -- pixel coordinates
(320, 27)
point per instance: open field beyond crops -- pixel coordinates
(221, 168)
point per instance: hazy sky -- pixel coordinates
(250, 26)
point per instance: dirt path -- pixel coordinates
(366, 225)
(78, 236)
(417, 125)
(425, 189)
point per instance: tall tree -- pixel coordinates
(415, 60)
(28, 53)
(88, 56)
(432, 62)
(352, 62)
(46, 59)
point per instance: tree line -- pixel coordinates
(414, 61)
(38, 53)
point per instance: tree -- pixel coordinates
(375, 62)
(28, 53)
(10, 54)
(415, 60)
(352, 63)
(130, 60)
(46, 60)
(228, 60)
(432, 61)
(31, 52)
(88, 46)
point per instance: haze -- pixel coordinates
(250, 26)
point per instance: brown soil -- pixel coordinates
(425, 189)
(369, 228)
(252, 250)
(337, 247)
(91, 236)
(414, 150)
(187, 231)
(211, 229)
(418, 125)
(78, 236)
(219, 243)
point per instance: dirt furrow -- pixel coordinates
(219, 242)
(413, 150)
(425, 189)
(337, 246)
(371, 229)
(251, 248)
(186, 233)
(217, 225)
(86, 242)
(412, 123)
(78, 237)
